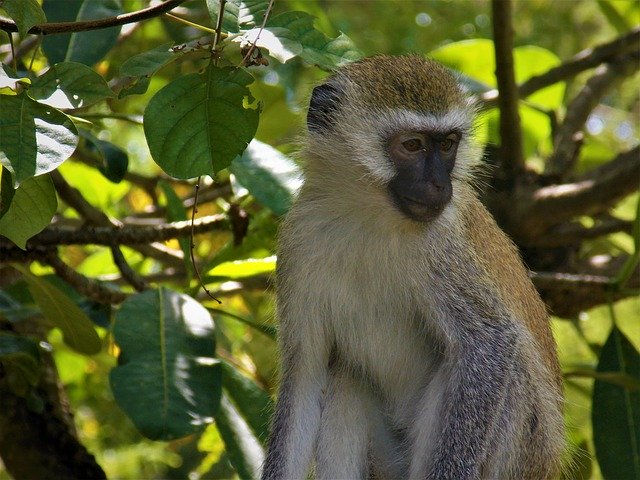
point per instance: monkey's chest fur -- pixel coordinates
(379, 338)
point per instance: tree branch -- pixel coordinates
(510, 132)
(66, 27)
(584, 60)
(592, 193)
(574, 233)
(126, 235)
(568, 137)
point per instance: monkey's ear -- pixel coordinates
(325, 100)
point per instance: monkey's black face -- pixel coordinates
(423, 161)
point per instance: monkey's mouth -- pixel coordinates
(418, 209)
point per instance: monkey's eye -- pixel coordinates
(447, 144)
(412, 145)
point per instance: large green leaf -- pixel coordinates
(271, 177)
(476, 58)
(238, 13)
(168, 380)
(243, 448)
(252, 402)
(317, 48)
(33, 205)
(35, 138)
(26, 14)
(616, 411)
(70, 85)
(198, 123)
(62, 312)
(84, 47)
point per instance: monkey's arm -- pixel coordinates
(479, 369)
(305, 352)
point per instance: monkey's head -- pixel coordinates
(405, 120)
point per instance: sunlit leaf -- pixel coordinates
(83, 47)
(616, 411)
(35, 138)
(26, 14)
(70, 85)
(63, 313)
(238, 13)
(33, 205)
(242, 446)
(244, 268)
(198, 123)
(271, 177)
(168, 380)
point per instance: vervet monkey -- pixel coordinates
(413, 343)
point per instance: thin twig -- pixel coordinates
(192, 243)
(510, 131)
(255, 41)
(66, 27)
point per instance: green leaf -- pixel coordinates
(23, 353)
(177, 213)
(198, 123)
(83, 47)
(114, 160)
(476, 58)
(238, 13)
(252, 402)
(142, 66)
(243, 448)
(271, 177)
(317, 48)
(33, 205)
(168, 380)
(70, 85)
(616, 411)
(26, 14)
(62, 312)
(35, 138)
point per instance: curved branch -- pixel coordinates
(591, 193)
(568, 138)
(126, 235)
(584, 60)
(90, 288)
(574, 233)
(66, 27)
(510, 132)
